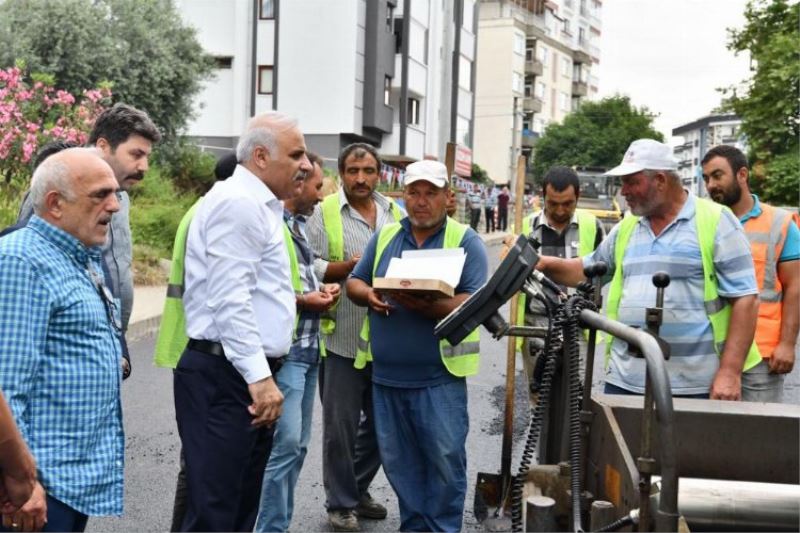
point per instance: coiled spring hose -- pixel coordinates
(563, 329)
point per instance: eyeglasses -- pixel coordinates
(108, 299)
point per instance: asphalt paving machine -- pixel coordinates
(625, 463)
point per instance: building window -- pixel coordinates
(267, 9)
(564, 102)
(413, 111)
(519, 43)
(387, 89)
(389, 18)
(566, 28)
(517, 82)
(223, 62)
(465, 73)
(528, 90)
(566, 67)
(538, 125)
(264, 80)
(540, 89)
(529, 54)
(541, 53)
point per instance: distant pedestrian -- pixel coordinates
(490, 204)
(474, 202)
(240, 312)
(502, 209)
(59, 328)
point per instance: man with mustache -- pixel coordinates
(125, 136)
(240, 312)
(419, 381)
(59, 328)
(338, 231)
(775, 243)
(297, 379)
(711, 304)
(563, 231)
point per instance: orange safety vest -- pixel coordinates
(767, 235)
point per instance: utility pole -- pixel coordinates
(514, 146)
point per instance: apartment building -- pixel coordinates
(699, 137)
(398, 74)
(535, 66)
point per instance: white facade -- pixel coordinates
(549, 57)
(698, 138)
(317, 67)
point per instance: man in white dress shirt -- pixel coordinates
(240, 311)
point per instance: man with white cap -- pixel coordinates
(419, 385)
(711, 304)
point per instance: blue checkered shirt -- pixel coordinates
(60, 365)
(305, 346)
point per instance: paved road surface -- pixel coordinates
(152, 446)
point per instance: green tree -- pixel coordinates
(769, 106)
(152, 59)
(595, 135)
(479, 175)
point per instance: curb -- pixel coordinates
(146, 327)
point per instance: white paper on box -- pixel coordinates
(440, 264)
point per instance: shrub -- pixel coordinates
(189, 168)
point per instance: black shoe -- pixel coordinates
(369, 508)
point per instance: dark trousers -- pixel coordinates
(350, 457)
(474, 218)
(225, 455)
(489, 212)
(502, 218)
(61, 517)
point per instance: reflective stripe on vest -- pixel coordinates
(587, 234)
(461, 360)
(767, 235)
(172, 338)
(334, 229)
(707, 216)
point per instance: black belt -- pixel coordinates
(215, 348)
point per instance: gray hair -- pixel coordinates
(54, 175)
(262, 130)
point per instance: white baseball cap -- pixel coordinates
(645, 154)
(430, 171)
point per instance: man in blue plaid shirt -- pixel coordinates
(59, 329)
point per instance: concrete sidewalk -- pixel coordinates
(148, 301)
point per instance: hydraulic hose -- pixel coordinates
(552, 345)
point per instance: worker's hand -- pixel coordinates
(30, 517)
(412, 302)
(727, 385)
(334, 289)
(267, 402)
(17, 481)
(782, 360)
(376, 303)
(508, 242)
(352, 262)
(317, 301)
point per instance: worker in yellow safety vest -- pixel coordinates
(419, 385)
(711, 304)
(563, 231)
(775, 243)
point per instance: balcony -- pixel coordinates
(531, 104)
(534, 67)
(529, 138)
(579, 88)
(686, 163)
(581, 57)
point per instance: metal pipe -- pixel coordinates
(722, 505)
(667, 515)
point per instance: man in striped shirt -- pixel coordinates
(667, 238)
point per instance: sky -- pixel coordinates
(670, 56)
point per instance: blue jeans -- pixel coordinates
(422, 436)
(297, 381)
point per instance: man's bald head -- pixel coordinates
(75, 190)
